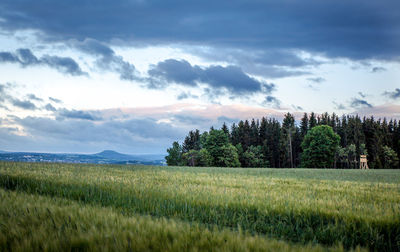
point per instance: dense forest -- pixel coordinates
(270, 143)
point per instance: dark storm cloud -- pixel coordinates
(78, 114)
(359, 103)
(107, 59)
(338, 28)
(25, 58)
(393, 95)
(231, 78)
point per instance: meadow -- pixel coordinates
(120, 207)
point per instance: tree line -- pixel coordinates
(270, 143)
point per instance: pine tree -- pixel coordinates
(312, 121)
(288, 132)
(304, 125)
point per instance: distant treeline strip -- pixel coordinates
(269, 143)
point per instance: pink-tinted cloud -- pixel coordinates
(386, 110)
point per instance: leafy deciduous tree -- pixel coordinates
(319, 147)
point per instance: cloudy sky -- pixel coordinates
(135, 75)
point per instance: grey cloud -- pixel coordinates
(270, 64)
(393, 95)
(359, 103)
(25, 58)
(50, 107)
(316, 80)
(179, 71)
(107, 59)
(182, 96)
(339, 106)
(94, 47)
(231, 78)
(296, 107)
(24, 104)
(34, 97)
(351, 29)
(8, 57)
(55, 100)
(186, 95)
(272, 72)
(272, 101)
(63, 64)
(3, 94)
(362, 94)
(78, 114)
(191, 120)
(378, 69)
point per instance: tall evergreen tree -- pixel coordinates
(312, 121)
(288, 132)
(304, 125)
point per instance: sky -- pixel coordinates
(136, 75)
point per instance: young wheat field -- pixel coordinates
(48, 206)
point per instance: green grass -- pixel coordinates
(37, 223)
(328, 207)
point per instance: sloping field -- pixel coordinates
(226, 209)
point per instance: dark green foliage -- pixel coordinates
(254, 157)
(319, 147)
(390, 158)
(313, 121)
(304, 125)
(174, 154)
(197, 158)
(228, 158)
(280, 143)
(192, 141)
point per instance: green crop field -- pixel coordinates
(139, 208)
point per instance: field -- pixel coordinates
(111, 207)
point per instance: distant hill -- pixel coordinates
(104, 157)
(110, 154)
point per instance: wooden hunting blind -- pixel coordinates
(363, 162)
